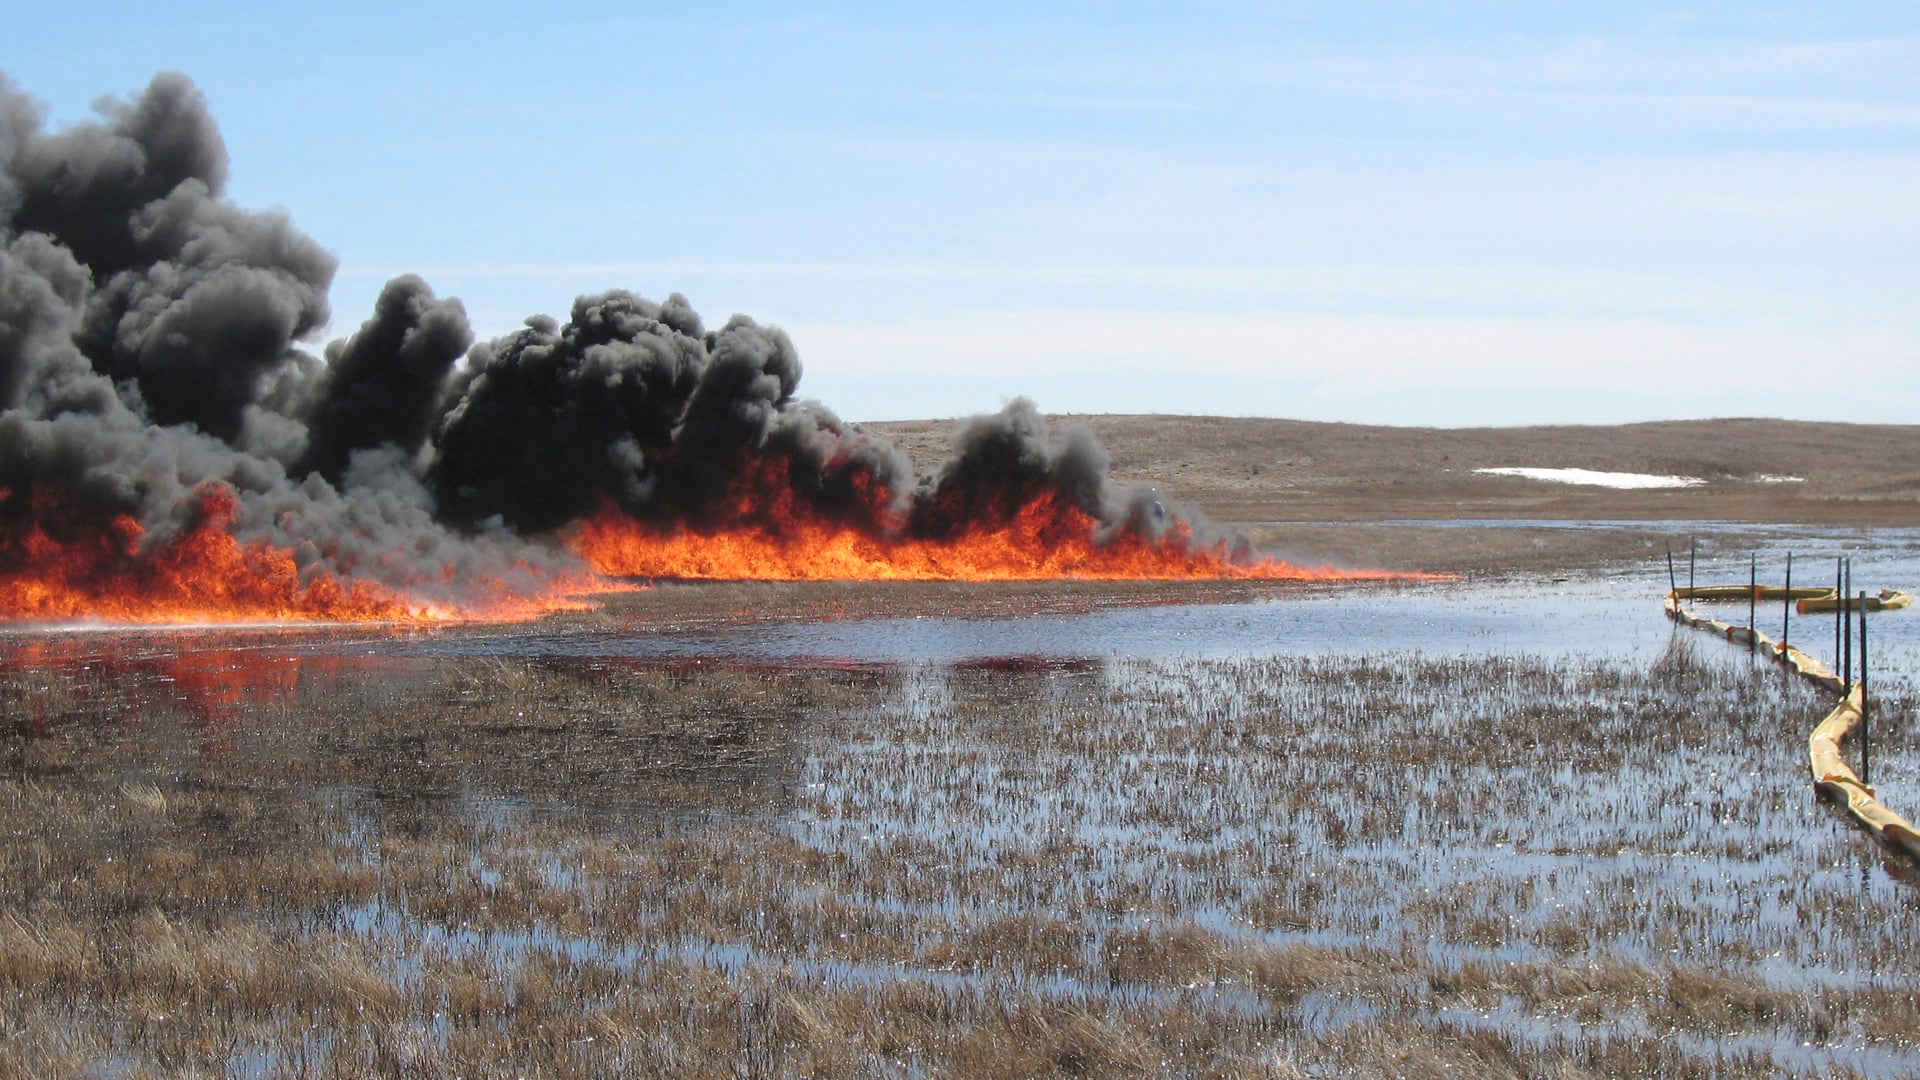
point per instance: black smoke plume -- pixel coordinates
(154, 337)
(382, 386)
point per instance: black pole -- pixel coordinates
(1673, 587)
(1786, 605)
(1839, 588)
(1846, 620)
(1866, 740)
(1753, 598)
(1691, 545)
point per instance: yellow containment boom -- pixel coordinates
(1836, 779)
(1807, 599)
(1888, 600)
(1832, 776)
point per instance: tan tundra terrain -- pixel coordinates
(1318, 491)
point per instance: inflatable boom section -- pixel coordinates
(1832, 776)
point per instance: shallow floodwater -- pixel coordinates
(1616, 614)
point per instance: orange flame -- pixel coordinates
(58, 564)
(1046, 539)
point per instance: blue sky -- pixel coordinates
(1480, 213)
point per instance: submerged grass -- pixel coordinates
(1379, 865)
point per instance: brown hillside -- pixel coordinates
(1307, 487)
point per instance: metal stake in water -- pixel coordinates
(1866, 740)
(1839, 588)
(1786, 605)
(1846, 620)
(1691, 545)
(1673, 588)
(1753, 598)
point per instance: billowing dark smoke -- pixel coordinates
(635, 403)
(193, 301)
(148, 334)
(382, 386)
(1003, 463)
(154, 337)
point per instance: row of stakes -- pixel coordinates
(1842, 623)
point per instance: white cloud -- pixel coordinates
(1762, 112)
(1357, 356)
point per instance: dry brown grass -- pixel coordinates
(1254, 469)
(1240, 867)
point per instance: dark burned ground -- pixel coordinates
(1312, 490)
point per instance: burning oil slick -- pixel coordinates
(171, 449)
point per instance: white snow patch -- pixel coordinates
(1594, 478)
(1778, 478)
